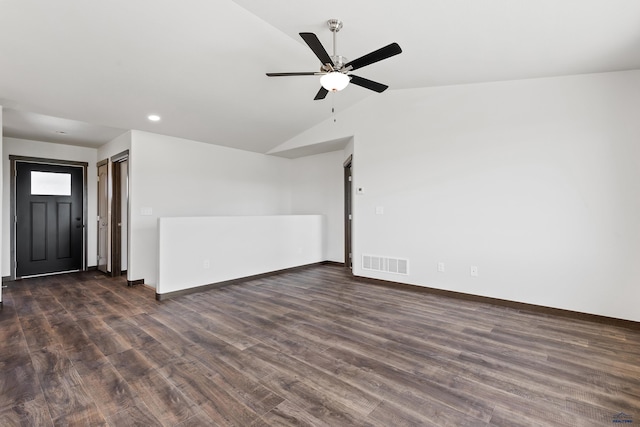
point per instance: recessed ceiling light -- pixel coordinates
(154, 117)
(61, 132)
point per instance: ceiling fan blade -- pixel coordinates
(368, 84)
(317, 48)
(375, 56)
(310, 73)
(322, 93)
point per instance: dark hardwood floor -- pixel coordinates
(310, 347)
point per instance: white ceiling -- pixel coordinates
(96, 69)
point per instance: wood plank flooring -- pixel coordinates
(313, 347)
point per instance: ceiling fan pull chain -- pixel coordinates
(333, 110)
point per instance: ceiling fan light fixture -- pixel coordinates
(334, 81)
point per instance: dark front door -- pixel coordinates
(49, 222)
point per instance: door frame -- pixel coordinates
(348, 211)
(108, 203)
(116, 213)
(13, 218)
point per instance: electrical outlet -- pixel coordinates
(206, 264)
(474, 271)
(441, 267)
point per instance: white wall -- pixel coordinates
(317, 187)
(536, 182)
(23, 147)
(196, 251)
(178, 177)
(115, 146)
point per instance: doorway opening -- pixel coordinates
(113, 214)
(120, 214)
(48, 210)
(103, 216)
(348, 213)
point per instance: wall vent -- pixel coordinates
(388, 265)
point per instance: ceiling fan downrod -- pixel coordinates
(335, 25)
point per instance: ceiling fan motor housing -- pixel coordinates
(339, 61)
(338, 64)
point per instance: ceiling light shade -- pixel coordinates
(334, 81)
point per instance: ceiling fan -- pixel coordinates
(335, 70)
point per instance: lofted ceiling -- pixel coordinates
(81, 72)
